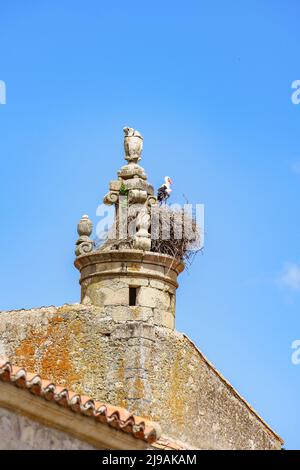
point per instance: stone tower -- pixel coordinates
(126, 280)
(119, 345)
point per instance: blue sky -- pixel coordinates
(208, 84)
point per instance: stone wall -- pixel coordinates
(153, 371)
(106, 278)
(18, 432)
(155, 300)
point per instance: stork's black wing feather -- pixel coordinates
(162, 193)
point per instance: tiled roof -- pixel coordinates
(117, 417)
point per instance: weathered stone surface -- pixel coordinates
(154, 371)
(18, 432)
(154, 298)
(121, 313)
(136, 281)
(137, 196)
(122, 261)
(157, 284)
(137, 183)
(115, 185)
(106, 296)
(163, 318)
(107, 276)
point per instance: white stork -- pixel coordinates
(164, 191)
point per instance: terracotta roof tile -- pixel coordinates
(117, 417)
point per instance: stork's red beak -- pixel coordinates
(170, 181)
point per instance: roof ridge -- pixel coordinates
(231, 387)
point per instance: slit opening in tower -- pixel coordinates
(132, 296)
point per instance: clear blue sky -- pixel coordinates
(208, 84)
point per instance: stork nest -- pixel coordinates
(174, 232)
(177, 234)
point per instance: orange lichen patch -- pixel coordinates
(59, 367)
(26, 348)
(139, 389)
(48, 353)
(56, 362)
(26, 352)
(175, 401)
(134, 267)
(120, 392)
(117, 417)
(57, 320)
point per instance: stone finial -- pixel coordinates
(132, 185)
(84, 244)
(133, 145)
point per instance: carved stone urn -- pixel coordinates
(133, 145)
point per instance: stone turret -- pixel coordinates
(124, 277)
